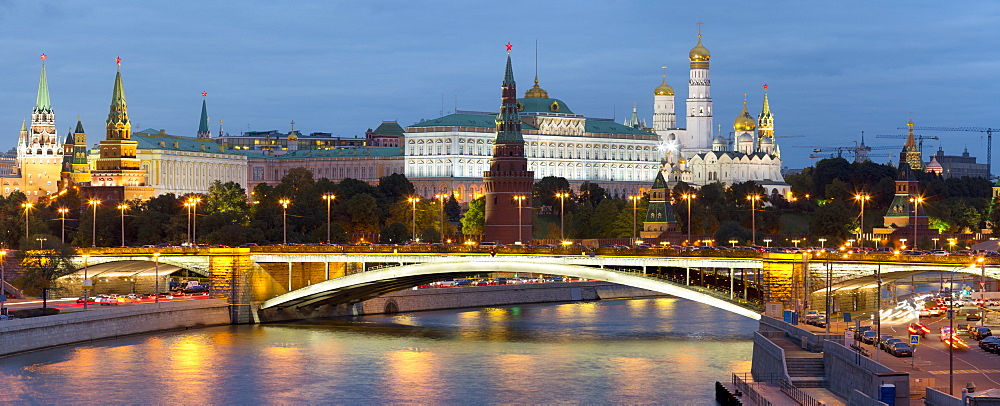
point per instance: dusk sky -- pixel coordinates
(834, 68)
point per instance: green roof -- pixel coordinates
(539, 105)
(324, 153)
(151, 139)
(611, 127)
(466, 120)
(42, 102)
(389, 128)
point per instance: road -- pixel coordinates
(70, 304)
(931, 359)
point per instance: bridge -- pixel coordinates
(286, 282)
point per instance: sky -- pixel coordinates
(834, 69)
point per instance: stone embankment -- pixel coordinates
(109, 322)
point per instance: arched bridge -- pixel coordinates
(278, 278)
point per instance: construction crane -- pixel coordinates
(989, 140)
(920, 139)
(860, 154)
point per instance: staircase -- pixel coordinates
(807, 372)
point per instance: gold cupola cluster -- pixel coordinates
(744, 122)
(699, 53)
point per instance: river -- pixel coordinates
(664, 351)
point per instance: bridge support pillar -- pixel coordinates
(687, 276)
(743, 278)
(327, 270)
(289, 276)
(643, 270)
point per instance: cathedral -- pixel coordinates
(693, 155)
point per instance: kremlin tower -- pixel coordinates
(699, 102)
(39, 151)
(203, 131)
(117, 175)
(508, 182)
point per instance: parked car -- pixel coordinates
(987, 342)
(868, 337)
(901, 349)
(889, 343)
(979, 333)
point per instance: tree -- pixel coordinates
(592, 194)
(452, 210)
(363, 213)
(394, 188)
(42, 266)
(731, 230)
(544, 194)
(474, 221)
(394, 233)
(831, 220)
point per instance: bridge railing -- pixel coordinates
(718, 294)
(740, 382)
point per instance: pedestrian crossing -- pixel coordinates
(967, 371)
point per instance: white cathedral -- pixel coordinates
(694, 156)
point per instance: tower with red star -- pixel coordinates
(508, 183)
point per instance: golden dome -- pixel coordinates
(664, 89)
(744, 122)
(536, 92)
(699, 52)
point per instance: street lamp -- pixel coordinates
(440, 198)
(903, 242)
(413, 229)
(952, 242)
(733, 243)
(935, 242)
(122, 207)
(86, 292)
(194, 219)
(156, 292)
(878, 310)
(635, 200)
(520, 224)
(62, 211)
(796, 242)
(982, 287)
(753, 218)
(916, 202)
(41, 240)
(284, 219)
(3, 279)
(27, 207)
(688, 197)
(562, 214)
(862, 198)
(93, 221)
(329, 199)
(767, 242)
(822, 242)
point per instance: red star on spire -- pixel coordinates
(118, 60)
(765, 86)
(204, 94)
(43, 56)
(509, 46)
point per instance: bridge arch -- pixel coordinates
(370, 284)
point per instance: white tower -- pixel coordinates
(664, 117)
(699, 102)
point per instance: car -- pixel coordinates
(868, 337)
(901, 349)
(887, 344)
(986, 341)
(107, 300)
(973, 315)
(979, 333)
(952, 339)
(918, 329)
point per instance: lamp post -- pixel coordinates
(982, 286)
(3, 279)
(93, 223)
(562, 214)
(62, 211)
(822, 242)
(796, 242)
(520, 223)
(284, 219)
(156, 289)
(878, 311)
(86, 292)
(688, 197)
(935, 242)
(122, 207)
(27, 207)
(413, 226)
(41, 240)
(767, 242)
(733, 243)
(952, 242)
(903, 242)
(753, 217)
(862, 198)
(916, 202)
(635, 201)
(187, 205)
(329, 199)
(440, 198)
(194, 219)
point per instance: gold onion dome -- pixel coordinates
(536, 92)
(743, 122)
(699, 52)
(664, 89)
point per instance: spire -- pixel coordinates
(633, 121)
(118, 125)
(203, 131)
(508, 120)
(23, 127)
(765, 111)
(42, 103)
(69, 136)
(79, 126)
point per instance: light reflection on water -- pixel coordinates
(666, 351)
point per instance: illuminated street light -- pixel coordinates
(329, 199)
(562, 214)
(862, 198)
(3, 278)
(796, 242)
(413, 232)
(156, 293)
(822, 242)
(284, 219)
(122, 207)
(194, 219)
(27, 208)
(733, 243)
(935, 242)
(62, 211)
(689, 197)
(635, 200)
(916, 202)
(440, 198)
(902, 242)
(767, 242)
(753, 217)
(520, 224)
(87, 284)
(93, 221)
(41, 240)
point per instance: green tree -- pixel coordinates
(592, 193)
(452, 210)
(363, 213)
(42, 266)
(394, 188)
(395, 233)
(474, 221)
(831, 220)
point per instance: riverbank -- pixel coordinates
(99, 323)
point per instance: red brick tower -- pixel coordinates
(508, 178)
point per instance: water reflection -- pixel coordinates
(627, 351)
